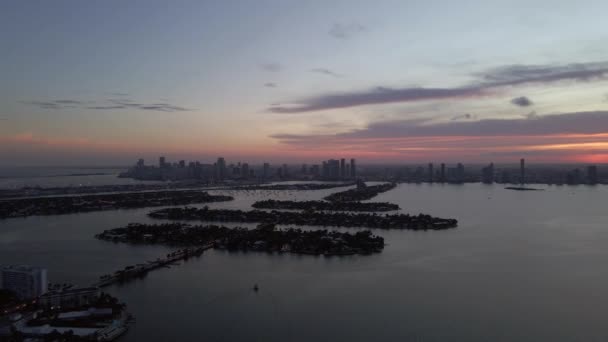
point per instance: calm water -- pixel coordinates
(18, 177)
(521, 266)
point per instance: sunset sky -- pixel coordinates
(107, 82)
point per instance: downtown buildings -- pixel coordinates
(221, 171)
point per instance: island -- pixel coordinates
(78, 204)
(326, 206)
(296, 186)
(309, 218)
(360, 193)
(264, 238)
(521, 188)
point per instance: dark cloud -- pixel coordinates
(270, 85)
(520, 74)
(522, 101)
(44, 104)
(67, 102)
(466, 116)
(346, 31)
(377, 96)
(325, 71)
(163, 107)
(113, 104)
(570, 123)
(271, 67)
(487, 83)
(106, 107)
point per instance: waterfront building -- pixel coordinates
(430, 172)
(342, 168)
(70, 298)
(245, 170)
(487, 174)
(592, 174)
(442, 174)
(266, 171)
(353, 170)
(161, 162)
(333, 166)
(220, 169)
(25, 281)
(459, 173)
(522, 171)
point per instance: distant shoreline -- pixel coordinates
(519, 188)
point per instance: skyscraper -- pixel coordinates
(487, 174)
(342, 168)
(266, 171)
(353, 170)
(592, 174)
(221, 168)
(459, 173)
(442, 174)
(430, 173)
(245, 170)
(333, 166)
(522, 171)
(161, 162)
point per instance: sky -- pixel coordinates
(108, 82)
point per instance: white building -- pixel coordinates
(25, 281)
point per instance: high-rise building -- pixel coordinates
(333, 166)
(161, 162)
(459, 173)
(442, 174)
(522, 171)
(342, 168)
(487, 174)
(245, 170)
(266, 171)
(140, 162)
(430, 172)
(592, 174)
(220, 169)
(25, 281)
(353, 170)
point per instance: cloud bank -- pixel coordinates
(486, 83)
(109, 104)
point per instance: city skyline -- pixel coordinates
(394, 81)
